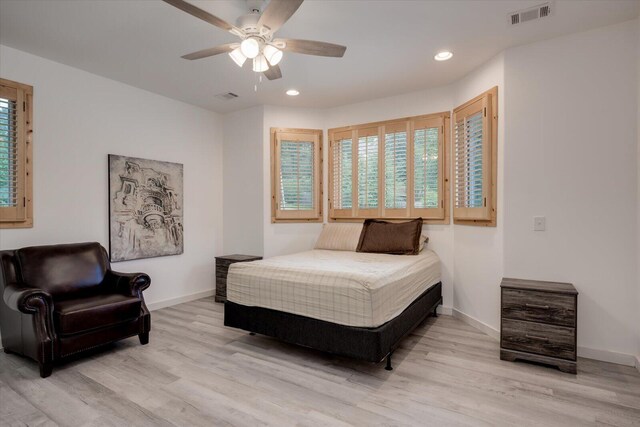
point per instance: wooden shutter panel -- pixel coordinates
(341, 175)
(367, 161)
(428, 166)
(395, 171)
(12, 154)
(473, 160)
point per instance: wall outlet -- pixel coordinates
(539, 223)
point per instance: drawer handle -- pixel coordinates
(534, 337)
(544, 307)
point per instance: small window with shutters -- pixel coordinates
(296, 176)
(475, 160)
(392, 170)
(15, 155)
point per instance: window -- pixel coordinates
(296, 175)
(475, 160)
(16, 184)
(394, 170)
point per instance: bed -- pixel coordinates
(347, 303)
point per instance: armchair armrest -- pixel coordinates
(27, 300)
(129, 283)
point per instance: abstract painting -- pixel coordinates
(145, 208)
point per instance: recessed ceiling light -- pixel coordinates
(293, 92)
(443, 56)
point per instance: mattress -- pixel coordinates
(347, 288)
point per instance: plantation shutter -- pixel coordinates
(472, 160)
(368, 188)
(296, 167)
(428, 168)
(341, 174)
(12, 154)
(396, 166)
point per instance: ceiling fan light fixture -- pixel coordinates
(238, 57)
(273, 54)
(250, 48)
(443, 56)
(260, 64)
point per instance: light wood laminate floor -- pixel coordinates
(197, 372)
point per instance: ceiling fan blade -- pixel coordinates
(204, 53)
(199, 13)
(310, 47)
(277, 13)
(273, 73)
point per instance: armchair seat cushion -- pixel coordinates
(77, 315)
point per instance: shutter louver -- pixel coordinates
(9, 167)
(296, 175)
(368, 172)
(468, 165)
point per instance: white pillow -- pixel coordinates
(339, 237)
(423, 241)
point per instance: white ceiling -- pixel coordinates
(390, 44)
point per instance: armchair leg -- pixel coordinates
(45, 369)
(144, 338)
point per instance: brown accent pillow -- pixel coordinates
(397, 238)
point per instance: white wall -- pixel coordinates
(638, 196)
(79, 118)
(478, 251)
(571, 155)
(243, 176)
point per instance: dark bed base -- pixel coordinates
(370, 344)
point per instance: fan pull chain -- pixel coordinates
(255, 86)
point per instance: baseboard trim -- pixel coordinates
(447, 311)
(493, 333)
(607, 356)
(157, 305)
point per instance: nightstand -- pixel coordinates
(539, 322)
(222, 269)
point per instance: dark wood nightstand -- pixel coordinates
(539, 322)
(222, 269)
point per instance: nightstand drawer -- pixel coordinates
(548, 340)
(535, 306)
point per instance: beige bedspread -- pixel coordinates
(348, 288)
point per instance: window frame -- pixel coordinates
(487, 103)
(303, 135)
(438, 215)
(21, 216)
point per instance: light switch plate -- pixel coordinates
(539, 223)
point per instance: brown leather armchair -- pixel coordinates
(63, 299)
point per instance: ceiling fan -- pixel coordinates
(256, 32)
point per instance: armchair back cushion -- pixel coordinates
(64, 270)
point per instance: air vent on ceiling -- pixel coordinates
(227, 96)
(533, 13)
